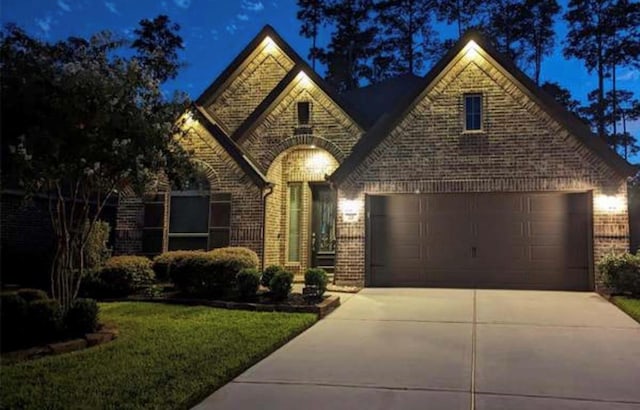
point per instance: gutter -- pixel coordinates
(268, 190)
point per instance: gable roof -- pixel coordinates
(280, 91)
(389, 120)
(233, 149)
(376, 99)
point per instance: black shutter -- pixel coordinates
(152, 231)
(220, 225)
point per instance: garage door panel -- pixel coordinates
(505, 240)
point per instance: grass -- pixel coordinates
(166, 357)
(630, 306)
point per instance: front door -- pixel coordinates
(323, 227)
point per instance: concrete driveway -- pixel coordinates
(452, 349)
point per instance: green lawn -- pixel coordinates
(166, 357)
(630, 306)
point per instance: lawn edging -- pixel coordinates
(104, 334)
(321, 309)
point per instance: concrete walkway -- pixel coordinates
(452, 349)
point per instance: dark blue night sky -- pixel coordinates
(216, 30)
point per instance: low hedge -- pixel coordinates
(248, 282)
(163, 263)
(123, 275)
(212, 273)
(621, 272)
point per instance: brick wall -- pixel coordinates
(264, 69)
(521, 148)
(224, 176)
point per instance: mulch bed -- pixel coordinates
(295, 303)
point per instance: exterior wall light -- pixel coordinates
(350, 209)
(609, 203)
(189, 121)
(318, 162)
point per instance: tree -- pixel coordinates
(157, 44)
(464, 13)
(81, 122)
(591, 36)
(623, 46)
(628, 109)
(408, 39)
(624, 108)
(351, 46)
(506, 25)
(312, 14)
(562, 96)
(538, 34)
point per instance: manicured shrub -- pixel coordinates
(13, 320)
(315, 277)
(248, 282)
(82, 317)
(123, 275)
(202, 274)
(44, 319)
(163, 263)
(30, 295)
(211, 273)
(236, 258)
(622, 272)
(280, 285)
(268, 274)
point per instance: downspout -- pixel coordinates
(268, 190)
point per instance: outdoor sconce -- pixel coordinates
(609, 203)
(350, 210)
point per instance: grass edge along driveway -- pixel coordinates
(630, 306)
(166, 356)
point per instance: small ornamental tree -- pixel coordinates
(83, 119)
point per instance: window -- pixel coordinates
(473, 112)
(295, 217)
(304, 113)
(189, 216)
(220, 224)
(153, 224)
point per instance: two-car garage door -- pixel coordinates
(494, 240)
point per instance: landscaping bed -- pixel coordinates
(295, 303)
(166, 357)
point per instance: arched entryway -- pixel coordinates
(301, 210)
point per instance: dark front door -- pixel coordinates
(497, 240)
(323, 227)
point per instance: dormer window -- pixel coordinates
(304, 113)
(473, 112)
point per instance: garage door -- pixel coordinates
(521, 241)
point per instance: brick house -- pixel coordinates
(468, 177)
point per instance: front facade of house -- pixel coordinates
(468, 177)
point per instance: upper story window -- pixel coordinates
(304, 113)
(473, 112)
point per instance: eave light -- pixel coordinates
(270, 46)
(471, 49)
(304, 80)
